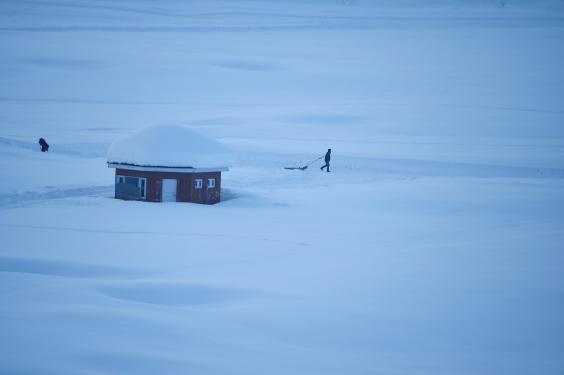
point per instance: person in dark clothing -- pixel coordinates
(44, 145)
(327, 160)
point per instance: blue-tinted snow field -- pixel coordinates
(434, 246)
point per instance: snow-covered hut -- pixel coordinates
(168, 163)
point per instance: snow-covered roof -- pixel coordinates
(169, 146)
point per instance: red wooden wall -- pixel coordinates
(185, 189)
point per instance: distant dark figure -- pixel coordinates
(327, 160)
(44, 145)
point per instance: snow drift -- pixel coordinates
(433, 247)
(170, 146)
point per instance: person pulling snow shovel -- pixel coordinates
(327, 160)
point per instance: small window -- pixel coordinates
(211, 182)
(131, 187)
(199, 183)
(142, 186)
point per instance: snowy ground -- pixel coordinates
(433, 247)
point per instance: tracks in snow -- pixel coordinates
(153, 233)
(8, 200)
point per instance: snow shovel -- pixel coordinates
(305, 166)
